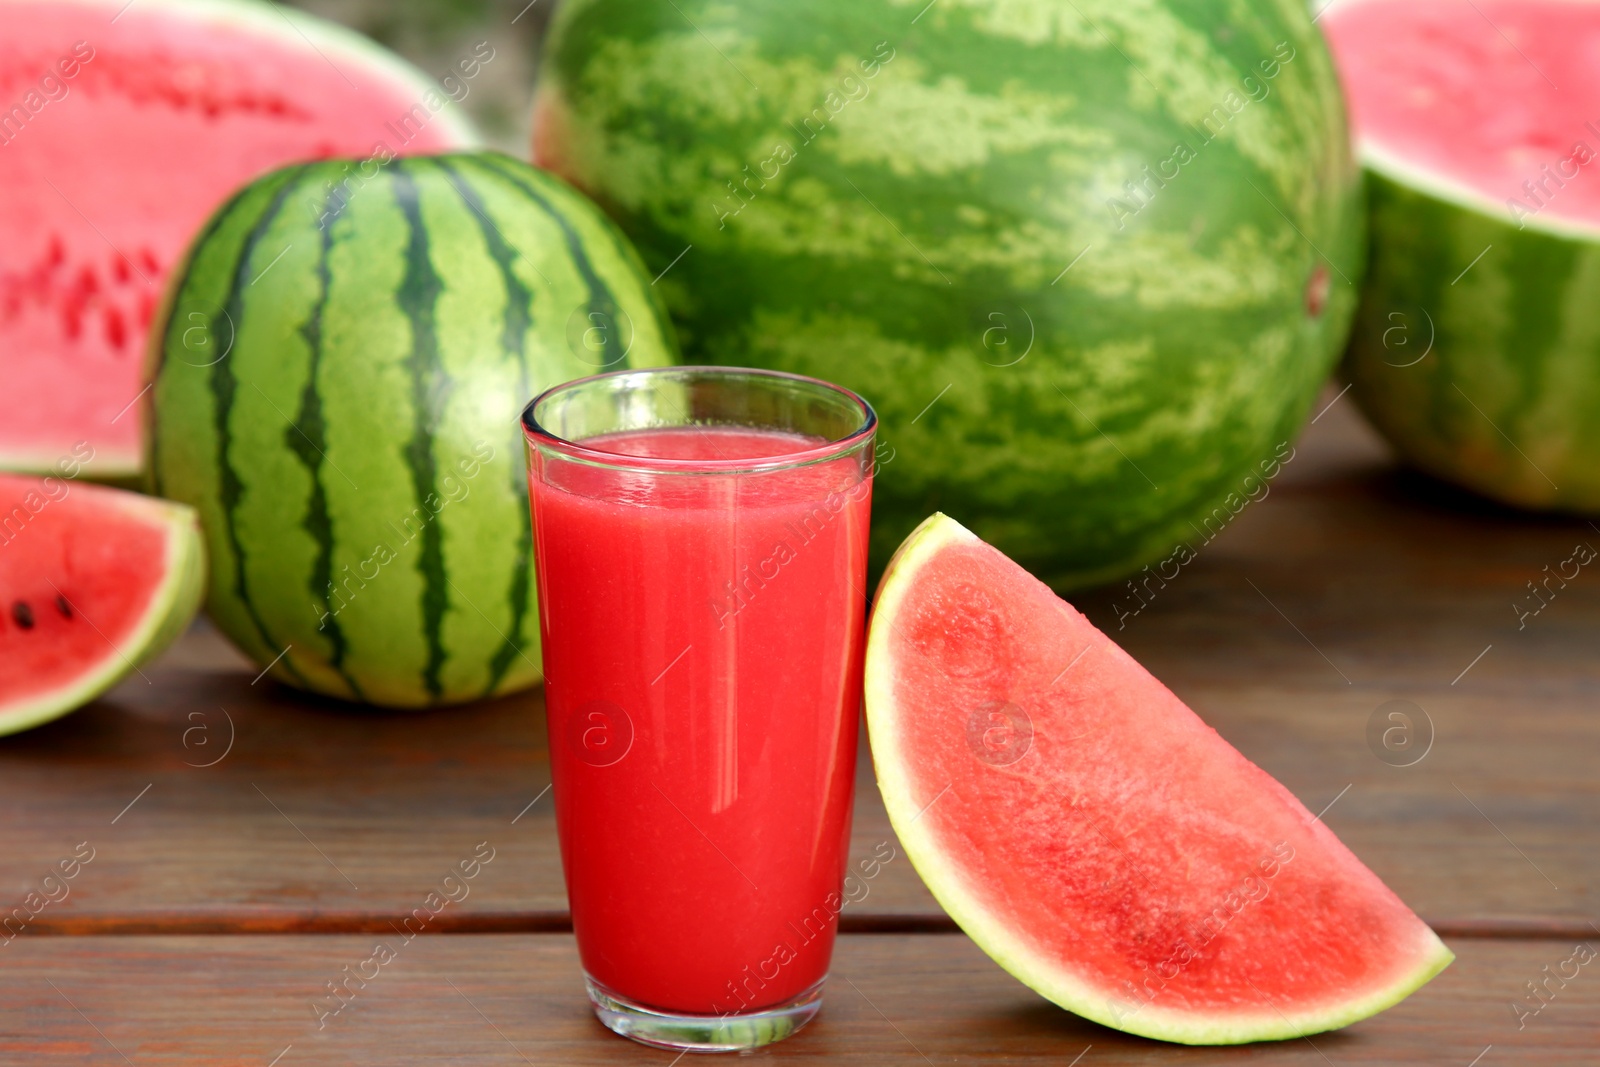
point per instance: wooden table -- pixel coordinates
(249, 842)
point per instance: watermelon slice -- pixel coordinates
(122, 127)
(1096, 838)
(93, 582)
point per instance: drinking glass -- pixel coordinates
(701, 543)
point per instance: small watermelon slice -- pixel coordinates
(1094, 836)
(93, 583)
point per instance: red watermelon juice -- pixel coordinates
(702, 598)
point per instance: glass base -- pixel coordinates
(739, 1032)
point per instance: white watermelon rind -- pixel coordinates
(171, 609)
(1388, 163)
(947, 883)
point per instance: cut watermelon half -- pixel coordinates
(1096, 838)
(1474, 349)
(122, 127)
(93, 583)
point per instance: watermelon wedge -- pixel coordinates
(122, 127)
(1096, 838)
(93, 583)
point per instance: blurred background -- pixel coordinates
(435, 34)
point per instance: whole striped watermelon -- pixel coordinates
(339, 368)
(1477, 347)
(1090, 259)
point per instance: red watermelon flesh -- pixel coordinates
(121, 129)
(93, 582)
(1098, 839)
(1496, 99)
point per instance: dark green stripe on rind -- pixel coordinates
(429, 390)
(365, 392)
(169, 315)
(518, 318)
(307, 439)
(601, 299)
(224, 386)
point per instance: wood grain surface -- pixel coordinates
(199, 807)
(1348, 586)
(518, 999)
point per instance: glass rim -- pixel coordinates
(576, 450)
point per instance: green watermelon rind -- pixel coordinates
(1013, 954)
(171, 610)
(1502, 403)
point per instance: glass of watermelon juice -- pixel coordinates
(701, 542)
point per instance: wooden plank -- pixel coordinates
(318, 817)
(515, 999)
(1355, 584)
(1347, 587)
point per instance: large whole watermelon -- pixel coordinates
(341, 362)
(1090, 259)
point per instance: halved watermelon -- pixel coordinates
(1097, 839)
(122, 127)
(93, 583)
(1476, 349)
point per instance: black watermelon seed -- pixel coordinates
(22, 614)
(63, 606)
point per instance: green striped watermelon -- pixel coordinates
(1477, 347)
(1089, 259)
(340, 367)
